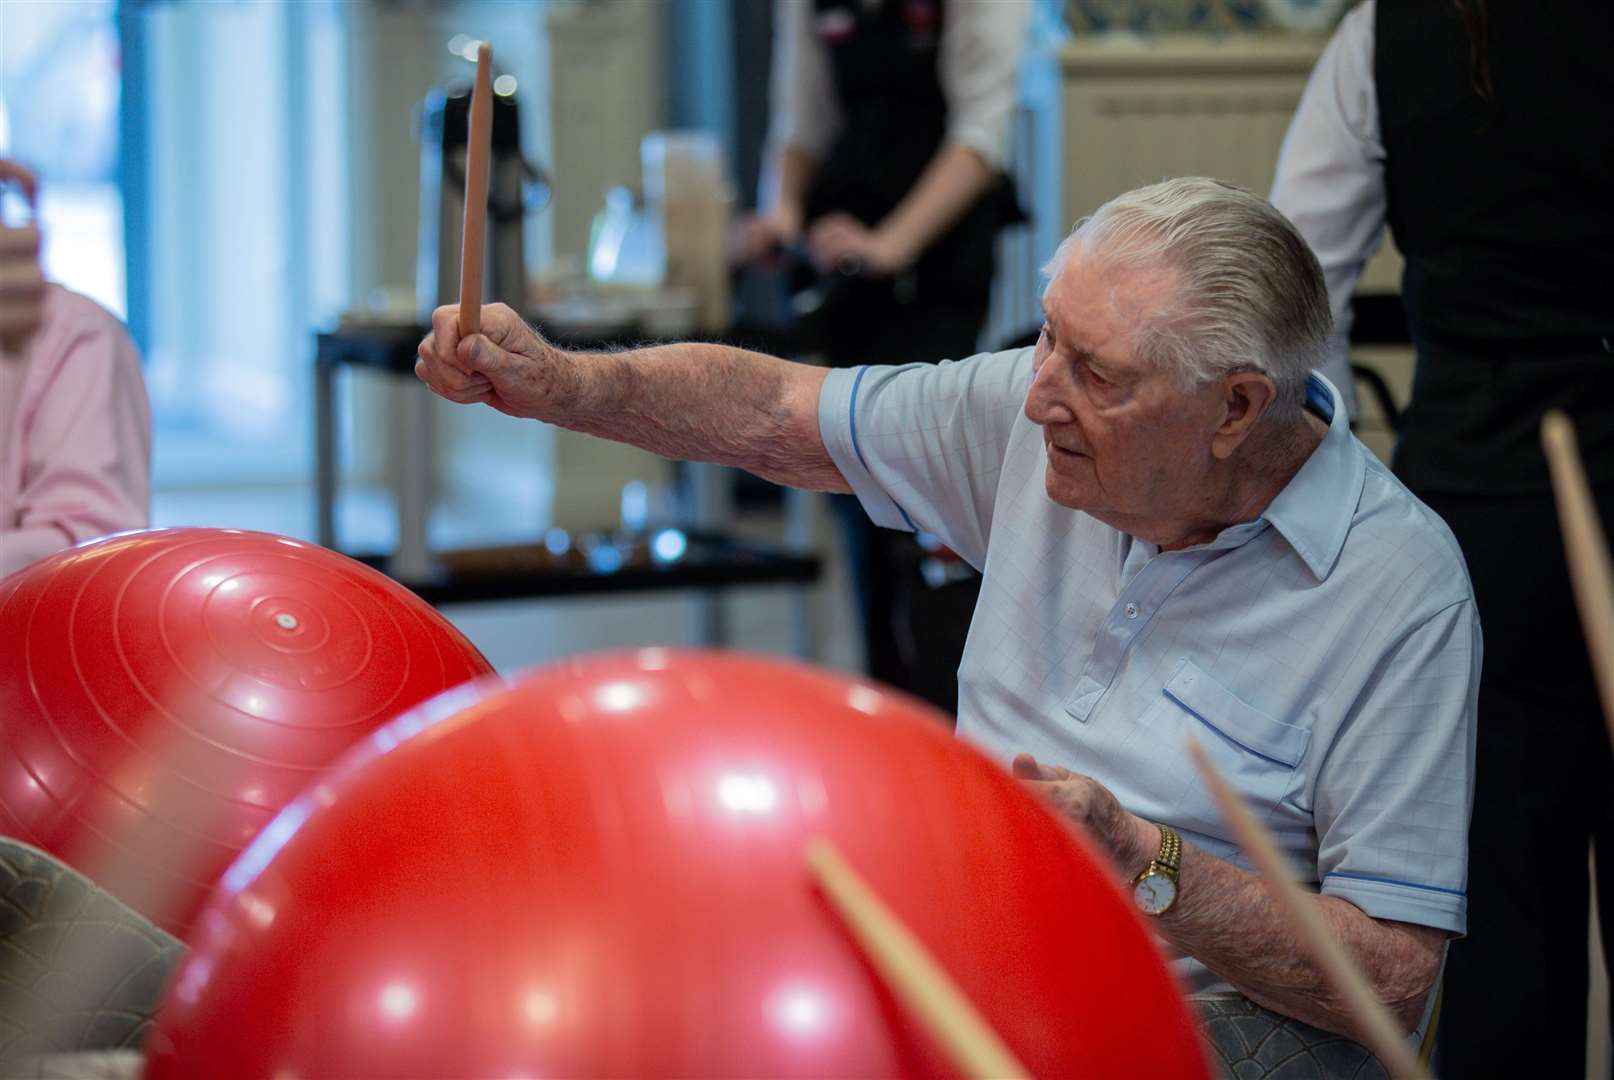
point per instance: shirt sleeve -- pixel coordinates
(923, 444)
(804, 110)
(1330, 176)
(978, 66)
(86, 436)
(1396, 789)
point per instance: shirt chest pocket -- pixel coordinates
(1259, 755)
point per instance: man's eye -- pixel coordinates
(1092, 373)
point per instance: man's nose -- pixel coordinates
(1045, 402)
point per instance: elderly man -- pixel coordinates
(1180, 540)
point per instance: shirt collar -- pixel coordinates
(1314, 510)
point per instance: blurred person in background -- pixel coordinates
(1479, 129)
(75, 425)
(890, 128)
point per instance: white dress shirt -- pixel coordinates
(978, 62)
(1330, 178)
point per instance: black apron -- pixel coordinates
(1504, 210)
(885, 71)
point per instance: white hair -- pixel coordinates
(1249, 294)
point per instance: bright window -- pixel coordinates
(59, 98)
(241, 245)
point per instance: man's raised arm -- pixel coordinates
(694, 402)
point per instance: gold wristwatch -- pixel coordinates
(1155, 890)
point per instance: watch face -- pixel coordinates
(1154, 893)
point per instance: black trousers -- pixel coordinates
(913, 635)
(1515, 988)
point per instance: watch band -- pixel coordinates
(1154, 890)
(1170, 856)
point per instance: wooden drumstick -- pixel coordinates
(1378, 1030)
(919, 982)
(474, 234)
(1587, 549)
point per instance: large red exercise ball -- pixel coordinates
(164, 694)
(599, 871)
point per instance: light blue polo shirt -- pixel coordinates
(1325, 655)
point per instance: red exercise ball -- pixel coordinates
(165, 693)
(599, 872)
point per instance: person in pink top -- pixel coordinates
(75, 425)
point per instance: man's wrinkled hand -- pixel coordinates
(508, 365)
(1091, 806)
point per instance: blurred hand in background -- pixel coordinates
(22, 282)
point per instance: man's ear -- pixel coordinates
(1246, 395)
